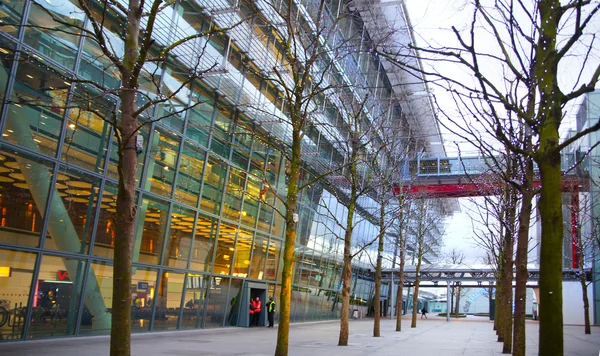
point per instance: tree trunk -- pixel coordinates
(499, 301)
(415, 310)
(586, 304)
(551, 341)
(285, 296)
(521, 270)
(457, 301)
(507, 321)
(377, 318)
(120, 332)
(346, 280)
(400, 296)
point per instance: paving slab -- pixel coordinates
(472, 336)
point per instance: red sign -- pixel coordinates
(62, 275)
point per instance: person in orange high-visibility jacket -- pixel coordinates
(251, 312)
(256, 315)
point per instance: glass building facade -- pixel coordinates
(202, 230)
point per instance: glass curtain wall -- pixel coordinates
(205, 223)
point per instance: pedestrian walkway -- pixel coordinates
(472, 336)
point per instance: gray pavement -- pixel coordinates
(473, 336)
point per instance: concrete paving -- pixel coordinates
(473, 336)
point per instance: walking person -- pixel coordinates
(271, 311)
(257, 307)
(424, 312)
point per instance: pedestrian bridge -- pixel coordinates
(456, 177)
(473, 275)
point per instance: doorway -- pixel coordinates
(250, 292)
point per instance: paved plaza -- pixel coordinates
(472, 336)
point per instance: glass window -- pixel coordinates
(180, 237)
(204, 242)
(168, 300)
(251, 200)
(214, 183)
(24, 187)
(150, 231)
(273, 260)
(195, 294)
(259, 256)
(217, 302)
(56, 303)
(39, 95)
(176, 86)
(7, 54)
(88, 131)
(94, 65)
(11, 13)
(163, 160)
(200, 116)
(143, 292)
(15, 286)
(190, 175)
(233, 307)
(232, 205)
(220, 139)
(243, 247)
(54, 38)
(72, 212)
(225, 249)
(105, 233)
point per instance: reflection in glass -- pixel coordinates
(259, 257)
(273, 260)
(168, 300)
(53, 30)
(14, 291)
(204, 242)
(225, 249)
(180, 237)
(216, 303)
(195, 293)
(72, 212)
(150, 231)
(214, 183)
(189, 178)
(24, 187)
(11, 13)
(56, 302)
(161, 166)
(233, 198)
(242, 253)
(35, 116)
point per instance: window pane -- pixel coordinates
(217, 302)
(233, 198)
(180, 237)
(161, 167)
(88, 132)
(39, 95)
(195, 293)
(168, 300)
(273, 259)
(242, 253)
(72, 212)
(150, 231)
(204, 242)
(143, 282)
(11, 13)
(225, 249)
(53, 38)
(176, 86)
(214, 183)
(259, 257)
(14, 291)
(190, 175)
(24, 186)
(7, 53)
(251, 198)
(56, 303)
(200, 119)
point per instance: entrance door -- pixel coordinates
(250, 292)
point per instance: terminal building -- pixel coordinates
(202, 236)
